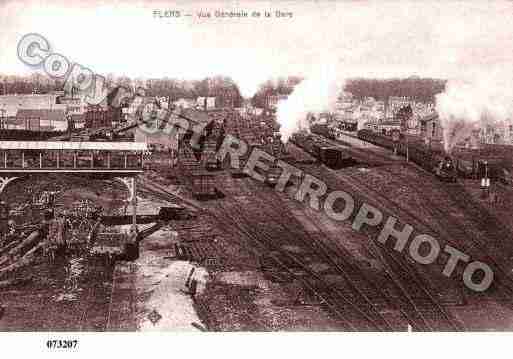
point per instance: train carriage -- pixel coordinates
(432, 160)
(332, 157)
(322, 150)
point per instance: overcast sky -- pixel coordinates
(368, 39)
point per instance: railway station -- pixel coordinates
(335, 174)
(352, 231)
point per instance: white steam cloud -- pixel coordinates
(318, 92)
(484, 100)
(249, 82)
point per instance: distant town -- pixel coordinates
(39, 104)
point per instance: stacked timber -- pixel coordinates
(200, 182)
(19, 251)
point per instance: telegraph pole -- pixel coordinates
(2, 123)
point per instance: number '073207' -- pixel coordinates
(61, 344)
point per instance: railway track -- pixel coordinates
(267, 241)
(349, 312)
(449, 230)
(419, 308)
(368, 194)
(458, 197)
(364, 154)
(417, 304)
(344, 307)
(457, 231)
(362, 287)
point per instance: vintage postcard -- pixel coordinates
(255, 166)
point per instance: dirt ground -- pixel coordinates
(233, 294)
(238, 297)
(73, 293)
(235, 297)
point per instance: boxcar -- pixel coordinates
(203, 186)
(332, 156)
(211, 161)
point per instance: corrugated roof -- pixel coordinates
(43, 114)
(12, 103)
(32, 101)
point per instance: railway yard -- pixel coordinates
(248, 257)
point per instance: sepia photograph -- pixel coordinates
(305, 167)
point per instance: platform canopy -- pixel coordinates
(67, 146)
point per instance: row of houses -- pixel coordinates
(207, 103)
(32, 112)
(430, 129)
(53, 112)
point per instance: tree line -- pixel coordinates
(279, 86)
(421, 89)
(162, 87)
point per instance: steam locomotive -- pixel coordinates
(433, 160)
(446, 170)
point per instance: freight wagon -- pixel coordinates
(322, 150)
(209, 156)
